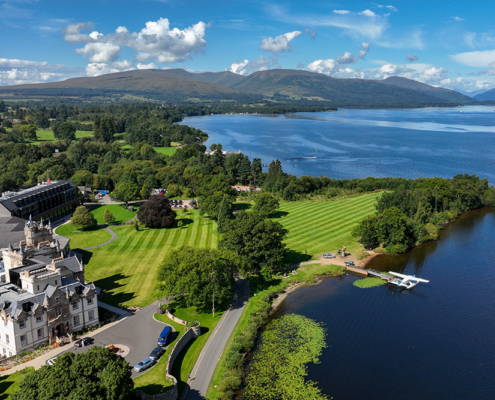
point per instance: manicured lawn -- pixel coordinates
(10, 383)
(317, 227)
(120, 213)
(168, 151)
(154, 382)
(46, 135)
(82, 239)
(126, 268)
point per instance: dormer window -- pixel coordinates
(57, 299)
(39, 318)
(90, 300)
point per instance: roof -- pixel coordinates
(11, 231)
(8, 202)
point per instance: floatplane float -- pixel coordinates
(399, 280)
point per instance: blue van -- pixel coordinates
(162, 340)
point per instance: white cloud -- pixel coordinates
(247, 67)
(155, 41)
(347, 58)
(310, 32)
(96, 69)
(365, 47)
(391, 8)
(457, 19)
(280, 43)
(475, 58)
(361, 24)
(411, 57)
(18, 72)
(147, 66)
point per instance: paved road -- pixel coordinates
(139, 332)
(205, 366)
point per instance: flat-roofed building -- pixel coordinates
(51, 201)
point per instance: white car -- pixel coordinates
(328, 255)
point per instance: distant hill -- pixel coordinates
(488, 95)
(446, 94)
(472, 94)
(137, 81)
(224, 78)
(342, 92)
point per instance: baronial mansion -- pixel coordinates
(43, 295)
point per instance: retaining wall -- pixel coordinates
(173, 392)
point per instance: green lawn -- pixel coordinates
(46, 135)
(126, 268)
(317, 227)
(168, 151)
(120, 213)
(153, 382)
(83, 239)
(10, 383)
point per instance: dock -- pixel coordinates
(380, 274)
(357, 270)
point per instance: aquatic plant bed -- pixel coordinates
(369, 282)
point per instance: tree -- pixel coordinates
(211, 194)
(64, 130)
(29, 131)
(126, 191)
(224, 214)
(135, 224)
(108, 217)
(156, 212)
(7, 123)
(265, 204)
(258, 240)
(196, 273)
(98, 374)
(82, 217)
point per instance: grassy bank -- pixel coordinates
(10, 383)
(120, 213)
(81, 239)
(369, 282)
(307, 274)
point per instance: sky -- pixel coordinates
(447, 44)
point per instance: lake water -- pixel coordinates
(360, 143)
(435, 341)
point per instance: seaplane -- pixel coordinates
(405, 281)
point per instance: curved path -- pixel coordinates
(203, 370)
(113, 239)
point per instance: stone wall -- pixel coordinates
(173, 392)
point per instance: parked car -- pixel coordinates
(162, 339)
(156, 353)
(51, 361)
(87, 341)
(328, 255)
(142, 365)
(349, 264)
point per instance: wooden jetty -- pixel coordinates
(357, 270)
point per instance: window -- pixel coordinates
(7, 340)
(40, 333)
(4, 352)
(38, 287)
(76, 320)
(39, 318)
(22, 324)
(10, 354)
(58, 311)
(24, 341)
(75, 306)
(91, 315)
(90, 300)
(57, 299)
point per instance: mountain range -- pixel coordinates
(271, 85)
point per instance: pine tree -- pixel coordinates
(224, 214)
(108, 216)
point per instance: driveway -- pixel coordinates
(139, 332)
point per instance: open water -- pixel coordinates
(360, 143)
(435, 341)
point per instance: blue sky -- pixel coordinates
(449, 44)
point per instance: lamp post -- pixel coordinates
(214, 304)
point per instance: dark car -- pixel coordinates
(156, 353)
(349, 264)
(87, 341)
(142, 365)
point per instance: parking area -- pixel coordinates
(139, 332)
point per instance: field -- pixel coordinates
(317, 227)
(126, 268)
(120, 213)
(168, 151)
(83, 239)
